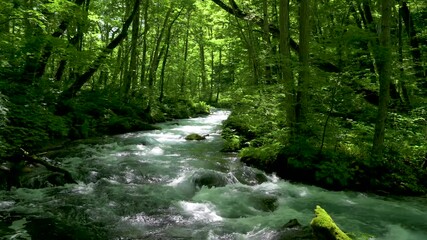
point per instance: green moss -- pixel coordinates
(324, 228)
(194, 136)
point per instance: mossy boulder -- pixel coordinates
(195, 136)
(324, 228)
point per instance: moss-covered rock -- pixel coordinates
(324, 228)
(195, 136)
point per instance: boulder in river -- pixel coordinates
(293, 230)
(209, 179)
(195, 136)
(324, 228)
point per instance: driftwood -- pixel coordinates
(33, 159)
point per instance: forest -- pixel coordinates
(321, 92)
(332, 89)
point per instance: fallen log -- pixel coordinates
(33, 159)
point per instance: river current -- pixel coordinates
(157, 185)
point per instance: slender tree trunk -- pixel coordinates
(184, 68)
(162, 73)
(203, 95)
(219, 78)
(132, 78)
(286, 78)
(212, 75)
(304, 70)
(402, 85)
(420, 73)
(266, 36)
(384, 70)
(144, 42)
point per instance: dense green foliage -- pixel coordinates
(257, 126)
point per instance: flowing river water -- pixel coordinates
(157, 185)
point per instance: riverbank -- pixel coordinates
(334, 155)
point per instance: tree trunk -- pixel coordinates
(162, 73)
(131, 80)
(266, 36)
(218, 82)
(184, 68)
(420, 74)
(144, 42)
(286, 78)
(402, 85)
(384, 70)
(203, 95)
(304, 70)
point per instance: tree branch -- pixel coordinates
(82, 79)
(37, 160)
(274, 30)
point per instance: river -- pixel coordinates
(157, 185)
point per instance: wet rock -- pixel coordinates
(293, 230)
(266, 203)
(195, 136)
(250, 176)
(324, 228)
(209, 179)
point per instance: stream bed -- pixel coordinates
(157, 185)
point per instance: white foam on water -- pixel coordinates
(82, 188)
(157, 151)
(176, 181)
(267, 187)
(6, 204)
(255, 234)
(204, 212)
(166, 137)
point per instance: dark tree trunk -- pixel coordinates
(304, 70)
(420, 74)
(286, 78)
(384, 70)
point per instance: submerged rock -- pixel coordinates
(209, 179)
(293, 230)
(195, 136)
(324, 228)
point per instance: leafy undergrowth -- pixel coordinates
(257, 129)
